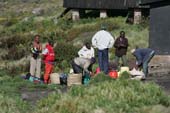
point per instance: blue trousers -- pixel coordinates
(103, 60)
(145, 63)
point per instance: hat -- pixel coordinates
(133, 50)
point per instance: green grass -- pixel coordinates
(103, 94)
(107, 96)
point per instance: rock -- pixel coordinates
(38, 11)
(24, 96)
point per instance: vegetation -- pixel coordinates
(20, 20)
(101, 95)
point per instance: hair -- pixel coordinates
(122, 32)
(37, 36)
(50, 42)
(88, 45)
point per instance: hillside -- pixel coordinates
(20, 20)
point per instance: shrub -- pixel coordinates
(65, 52)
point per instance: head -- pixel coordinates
(103, 27)
(88, 45)
(37, 38)
(50, 42)
(133, 50)
(122, 34)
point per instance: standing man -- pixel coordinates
(143, 56)
(103, 40)
(121, 45)
(35, 61)
(49, 58)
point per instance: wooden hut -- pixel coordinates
(159, 35)
(103, 6)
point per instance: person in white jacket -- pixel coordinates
(86, 51)
(103, 40)
(85, 60)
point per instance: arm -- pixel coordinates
(111, 42)
(81, 52)
(116, 44)
(124, 43)
(94, 40)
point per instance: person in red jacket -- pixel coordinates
(48, 57)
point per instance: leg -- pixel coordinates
(100, 60)
(76, 68)
(145, 68)
(124, 60)
(32, 66)
(117, 60)
(90, 67)
(38, 68)
(48, 71)
(145, 64)
(106, 61)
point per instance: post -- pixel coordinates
(103, 14)
(75, 14)
(137, 16)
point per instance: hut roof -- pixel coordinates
(101, 4)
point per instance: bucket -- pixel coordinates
(113, 74)
(124, 69)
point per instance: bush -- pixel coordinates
(65, 52)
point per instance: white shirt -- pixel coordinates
(45, 51)
(102, 40)
(86, 53)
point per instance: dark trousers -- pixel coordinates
(76, 68)
(103, 60)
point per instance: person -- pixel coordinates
(35, 61)
(87, 51)
(49, 58)
(121, 46)
(85, 60)
(80, 64)
(143, 56)
(103, 40)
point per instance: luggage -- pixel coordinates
(74, 79)
(55, 78)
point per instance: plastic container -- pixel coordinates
(113, 74)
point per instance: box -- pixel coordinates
(55, 78)
(74, 79)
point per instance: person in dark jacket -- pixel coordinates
(143, 56)
(121, 45)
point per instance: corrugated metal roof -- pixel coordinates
(151, 1)
(101, 4)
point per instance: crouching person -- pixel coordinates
(48, 57)
(143, 57)
(80, 64)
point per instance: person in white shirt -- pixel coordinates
(85, 60)
(103, 40)
(86, 51)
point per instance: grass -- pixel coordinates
(106, 96)
(103, 95)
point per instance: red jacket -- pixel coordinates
(50, 56)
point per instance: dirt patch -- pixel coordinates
(33, 96)
(163, 80)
